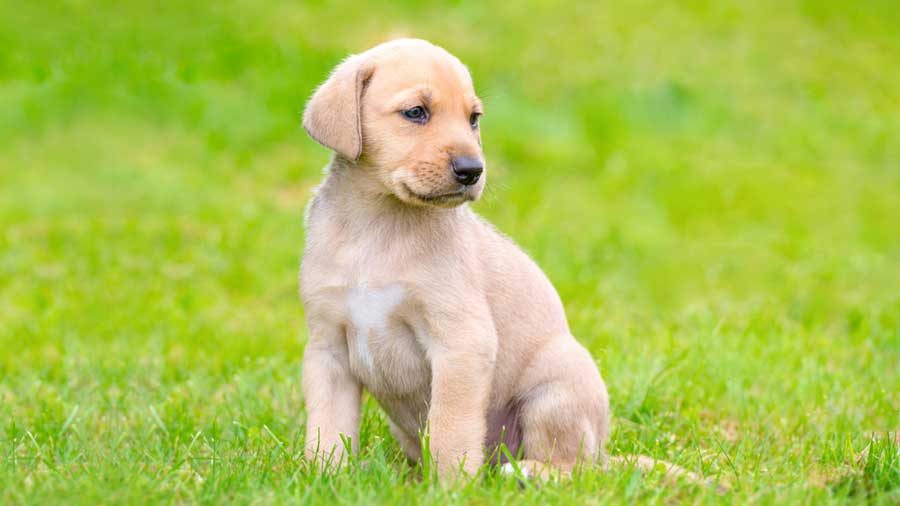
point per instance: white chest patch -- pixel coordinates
(370, 309)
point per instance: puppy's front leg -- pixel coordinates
(462, 368)
(332, 396)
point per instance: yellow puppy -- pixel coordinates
(410, 294)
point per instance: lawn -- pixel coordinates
(713, 187)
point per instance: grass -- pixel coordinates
(713, 187)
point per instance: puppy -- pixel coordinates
(446, 322)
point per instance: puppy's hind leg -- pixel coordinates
(565, 410)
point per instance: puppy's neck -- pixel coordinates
(355, 182)
(354, 191)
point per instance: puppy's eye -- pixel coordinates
(473, 120)
(417, 114)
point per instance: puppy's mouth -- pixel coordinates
(438, 199)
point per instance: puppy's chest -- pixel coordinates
(385, 345)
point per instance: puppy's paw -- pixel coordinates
(532, 471)
(509, 469)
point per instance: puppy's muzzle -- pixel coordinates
(466, 170)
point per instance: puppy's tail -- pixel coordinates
(674, 472)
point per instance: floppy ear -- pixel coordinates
(332, 115)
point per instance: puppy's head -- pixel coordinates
(406, 109)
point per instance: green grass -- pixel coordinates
(713, 187)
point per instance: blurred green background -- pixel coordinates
(713, 187)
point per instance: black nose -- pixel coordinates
(467, 170)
